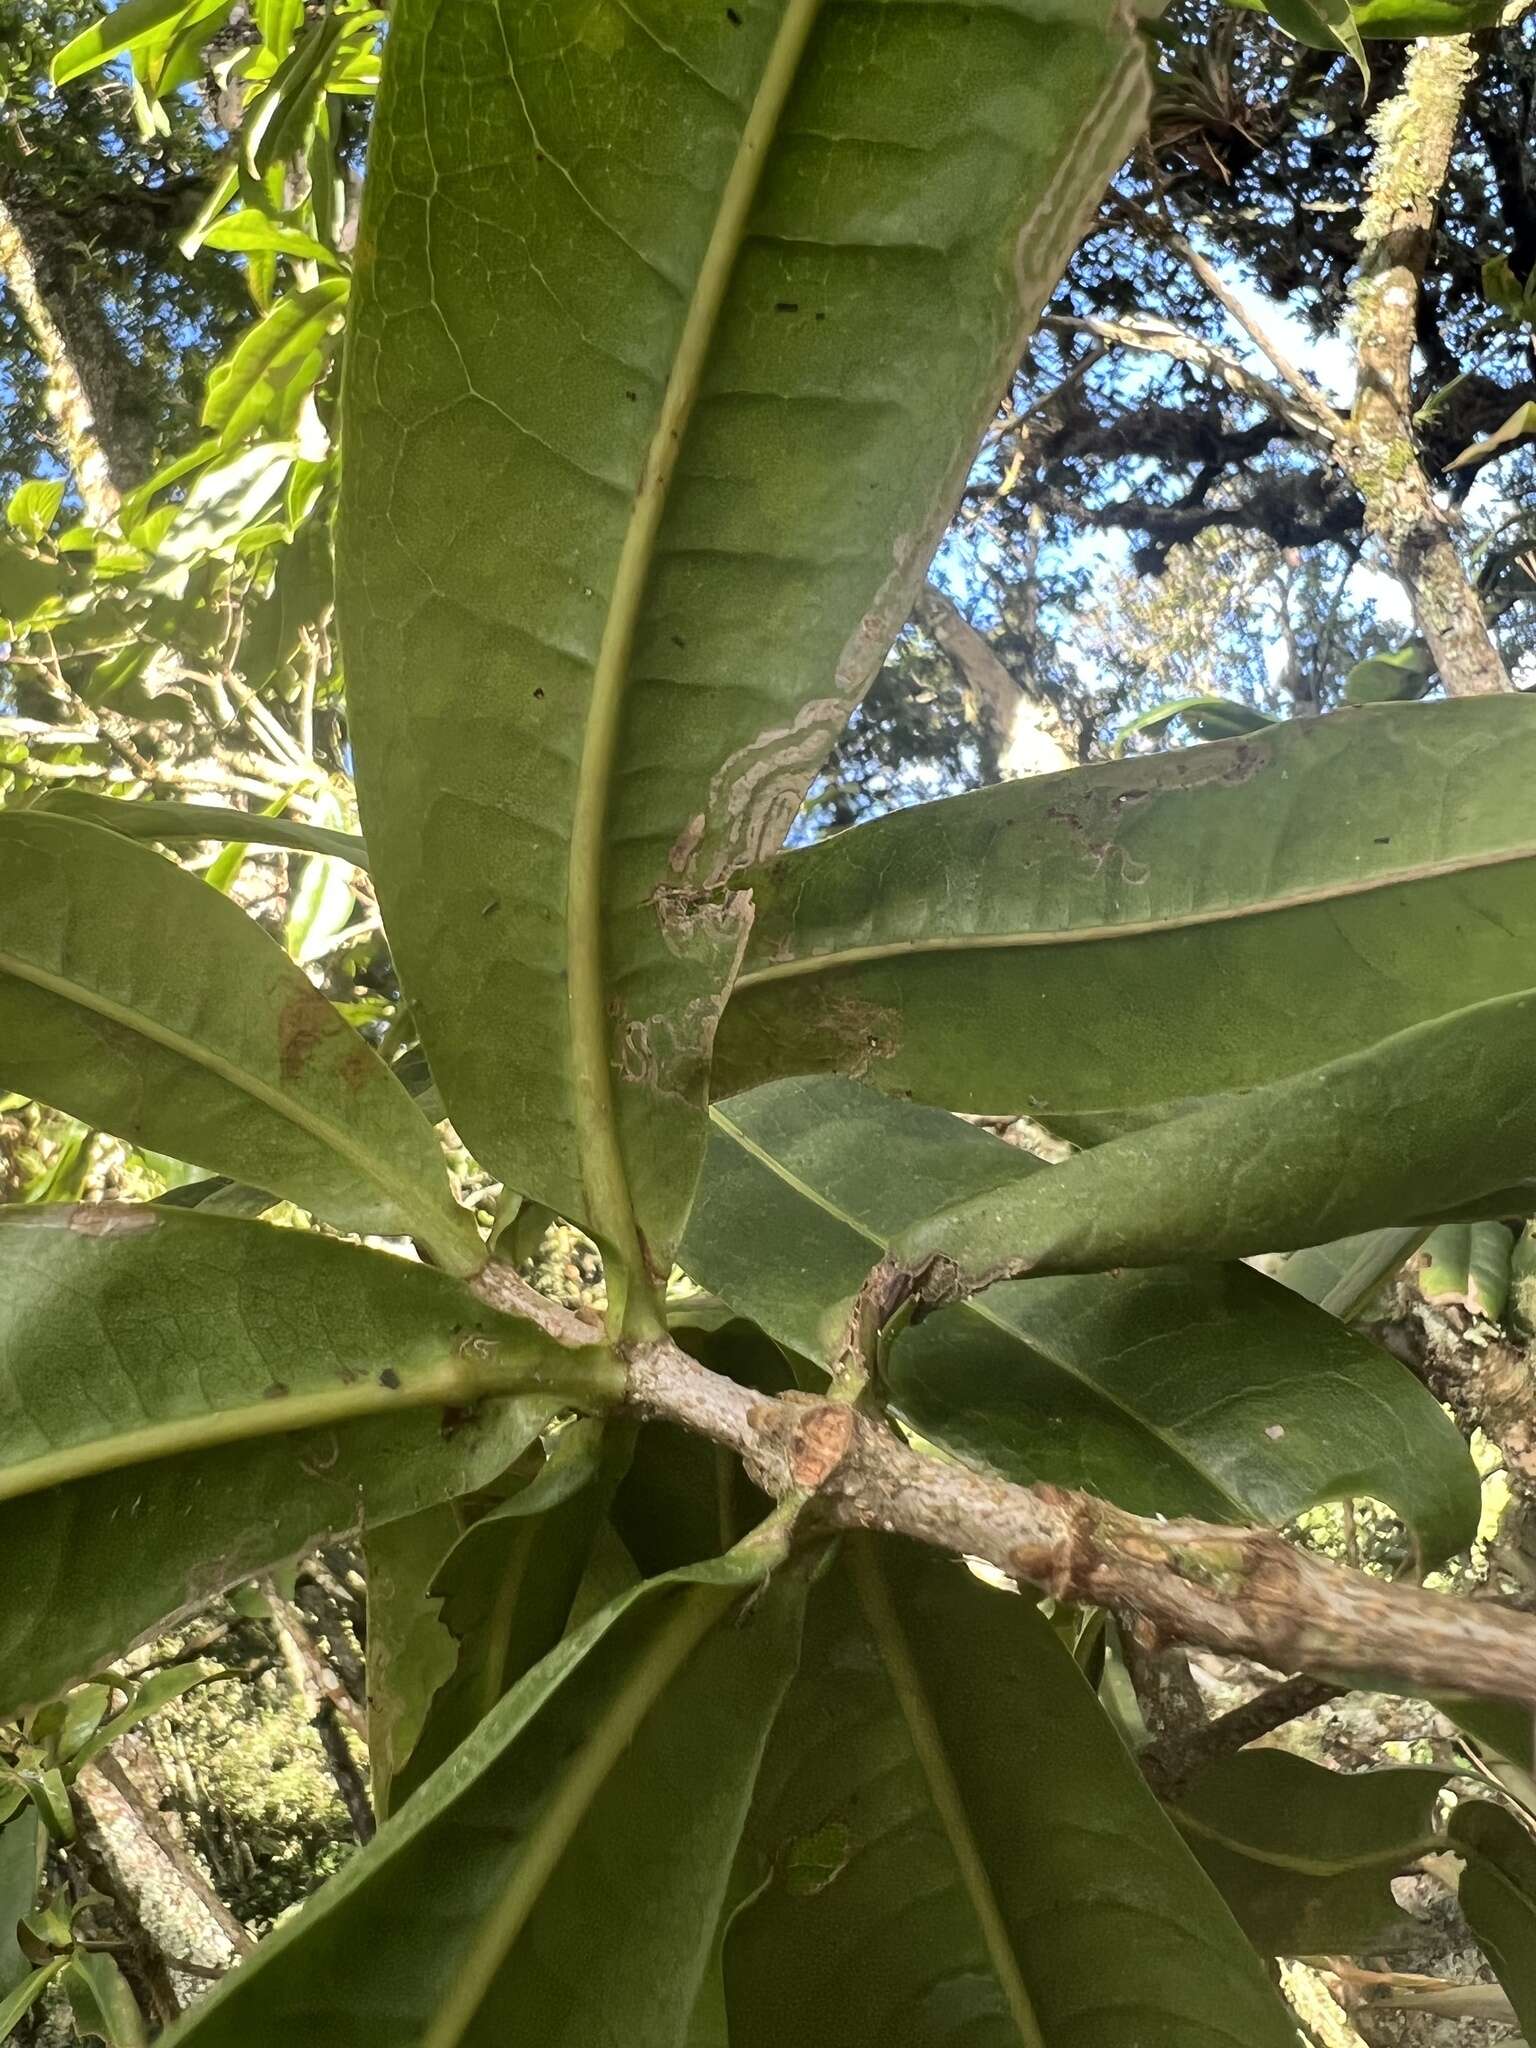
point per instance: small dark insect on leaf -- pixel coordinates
(389, 1378)
(787, 306)
(733, 17)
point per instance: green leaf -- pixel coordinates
(33, 507)
(507, 1586)
(21, 2001)
(281, 122)
(174, 823)
(1380, 1137)
(1520, 425)
(1322, 25)
(133, 22)
(1051, 946)
(588, 1828)
(1403, 20)
(410, 1652)
(188, 1399)
(1498, 1895)
(27, 583)
(1401, 676)
(958, 1848)
(21, 1865)
(1347, 1276)
(249, 233)
(1205, 1390)
(102, 2006)
(1466, 1265)
(1208, 718)
(732, 256)
(143, 1002)
(261, 385)
(1304, 1856)
(157, 1691)
(223, 503)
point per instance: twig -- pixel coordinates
(1312, 399)
(1169, 1763)
(327, 1703)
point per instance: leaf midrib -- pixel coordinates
(553, 1833)
(433, 1228)
(1078, 935)
(943, 1787)
(604, 1168)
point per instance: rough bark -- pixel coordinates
(68, 401)
(1414, 133)
(1242, 1590)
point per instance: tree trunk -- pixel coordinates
(69, 404)
(1414, 133)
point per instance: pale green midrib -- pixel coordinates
(546, 1844)
(1099, 934)
(454, 1382)
(882, 1245)
(434, 1226)
(492, 1681)
(603, 1165)
(949, 1803)
(1399, 1855)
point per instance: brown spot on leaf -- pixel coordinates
(302, 1023)
(112, 1219)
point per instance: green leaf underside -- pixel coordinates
(559, 1880)
(506, 1589)
(20, 1868)
(1498, 1895)
(958, 1849)
(1304, 1856)
(1160, 1390)
(410, 1652)
(145, 1003)
(1436, 1122)
(617, 690)
(152, 1345)
(1097, 947)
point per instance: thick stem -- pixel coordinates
(1414, 134)
(1245, 1591)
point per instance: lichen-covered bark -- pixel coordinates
(69, 403)
(1414, 132)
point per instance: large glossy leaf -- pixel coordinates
(559, 1881)
(1304, 1856)
(145, 1003)
(958, 1850)
(1438, 1121)
(1097, 947)
(672, 338)
(1206, 1391)
(1498, 1896)
(186, 1399)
